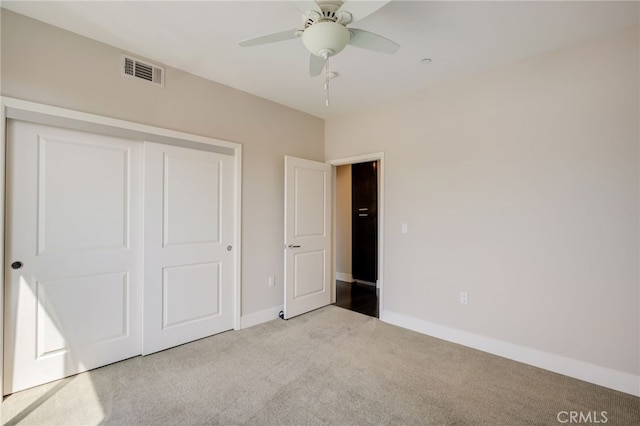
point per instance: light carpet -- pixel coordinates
(331, 366)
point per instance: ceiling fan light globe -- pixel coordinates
(323, 37)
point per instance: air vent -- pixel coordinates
(132, 67)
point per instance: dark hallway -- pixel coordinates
(357, 297)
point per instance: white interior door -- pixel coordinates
(189, 239)
(307, 224)
(74, 211)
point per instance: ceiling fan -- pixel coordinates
(325, 32)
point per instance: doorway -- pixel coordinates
(358, 225)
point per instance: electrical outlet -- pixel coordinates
(464, 297)
(272, 281)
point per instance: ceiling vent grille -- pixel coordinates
(132, 67)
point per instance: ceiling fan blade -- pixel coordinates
(361, 9)
(270, 38)
(316, 64)
(372, 41)
(306, 5)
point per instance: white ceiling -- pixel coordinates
(460, 37)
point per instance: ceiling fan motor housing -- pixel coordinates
(326, 39)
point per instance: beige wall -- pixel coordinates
(520, 186)
(343, 219)
(44, 64)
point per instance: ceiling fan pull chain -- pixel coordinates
(326, 81)
(326, 88)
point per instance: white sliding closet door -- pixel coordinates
(114, 248)
(74, 243)
(189, 238)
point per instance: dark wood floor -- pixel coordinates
(357, 297)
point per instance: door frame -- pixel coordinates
(12, 108)
(379, 157)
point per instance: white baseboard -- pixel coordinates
(602, 376)
(256, 318)
(343, 276)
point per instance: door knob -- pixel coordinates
(293, 246)
(16, 265)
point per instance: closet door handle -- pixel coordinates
(293, 246)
